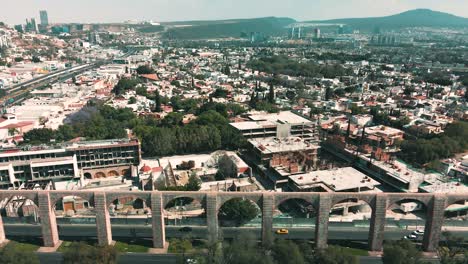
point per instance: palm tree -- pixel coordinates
(13, 131)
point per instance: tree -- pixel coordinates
(36, 59)
(180, 246)
(271, 94)
(82, 253)
(124, 85)
(226, 168)
(142, 91)
(328, 93)
(157, 100)
(334, 255)
(145, 69)
(452, 250)
(132, 100)
(194, 183)
(401, 252)
(39, 136)
(12, 131)
(286, 251)
(220, 93)
(339, 92)
(244, 249)
(11, 254)
(227, 70)
(238, 210)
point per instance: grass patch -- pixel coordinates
(66, 244)
(26, 244)
(133, 246)
(356, 251)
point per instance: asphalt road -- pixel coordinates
(142, 231)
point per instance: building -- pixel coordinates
(31, 25)
(317, 33)
(345, 179)
(292, 153)
(44, 18)
(12, 130)
(280, 125)
(232, 185)
(86, 160)
(43, 27)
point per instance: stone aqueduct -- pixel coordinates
(267, 201)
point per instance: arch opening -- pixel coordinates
(239, 212)
(19, 210)
(406, 219)
(351, 213)
(185, 212)
(294, 212)
(71, 211)
(455, 217)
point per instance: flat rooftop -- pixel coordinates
(259, 121)
(60, 148)
(336, 180)
(284, 117)
(205, 186)
(383, 130)
(274, 145)
(445, 187)
(248, 125)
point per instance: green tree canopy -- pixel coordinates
(12, 254)
(145, 69)
(401, 252)
(238, 210)
(82, 253)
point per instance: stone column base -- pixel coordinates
(430, 255)
(375, 253)
(50, 249)
(159, 250)
(4, 243)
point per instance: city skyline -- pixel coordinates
(183, 10)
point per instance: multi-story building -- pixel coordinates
(280, 125)
(44, 18)
(90, 160)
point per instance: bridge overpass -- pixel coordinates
(267, 201)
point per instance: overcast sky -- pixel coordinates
(16, 11)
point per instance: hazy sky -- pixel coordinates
(15, 11)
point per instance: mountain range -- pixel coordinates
(275, 26)
(412, 18)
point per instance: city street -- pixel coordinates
(335, 233)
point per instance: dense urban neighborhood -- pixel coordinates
(245, 108)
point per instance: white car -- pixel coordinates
(410, 237)
(418, 232)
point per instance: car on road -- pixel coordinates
(418, 232)
(186, 229)
(282, 231)
(410, 237)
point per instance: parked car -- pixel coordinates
(410, 237)
(282, 231)
(418, 232)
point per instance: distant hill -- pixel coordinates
(269, 26)
(412, 18)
